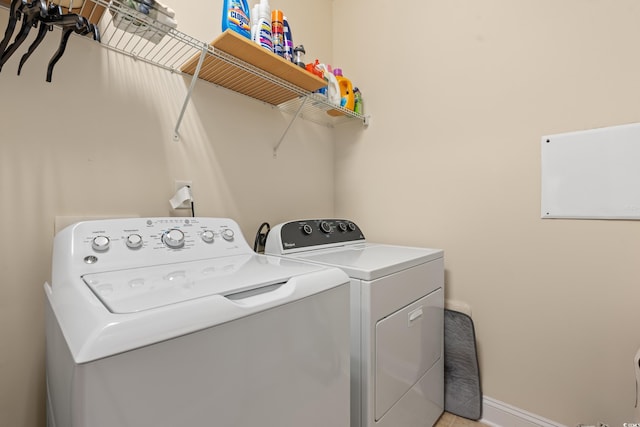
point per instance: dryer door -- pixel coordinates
(408, 343)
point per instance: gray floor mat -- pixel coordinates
(462, 388)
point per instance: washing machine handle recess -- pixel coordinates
(262, 295)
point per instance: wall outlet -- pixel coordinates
(177, 186)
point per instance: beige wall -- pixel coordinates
(460, 93)
(459, 101)
(98, 141)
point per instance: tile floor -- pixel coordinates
(450, 420)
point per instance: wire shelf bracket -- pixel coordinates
(295, 116)
(176, 131)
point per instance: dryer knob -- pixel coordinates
(173, 238)
(325, 226)
(207, 236)
(228, 234)
(100, 243)
(134, 241)
(342, 226)
(352, 226)
(306, 229)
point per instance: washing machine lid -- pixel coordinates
(138, 289)
(103, 314)
(370, 261)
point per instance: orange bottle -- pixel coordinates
(312, 67)
(347, 98)
(277, 31)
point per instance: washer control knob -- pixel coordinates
(207, 236)
(352, 226)
(325, 226)
(228, 234)
(173, 238)
(342, 226)
(100, 243)
(134, 241)
(306, 229)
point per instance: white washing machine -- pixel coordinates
(397, 307)
(167, 322)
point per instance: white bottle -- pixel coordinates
(255, 12)
(333, 89)
(263, 31)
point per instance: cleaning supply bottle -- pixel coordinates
(277, 32)
(333, 89)
(357, 103)
(288, 41)
(346, 90)
(312, 67)
(298, 56)
(263, 31)
(235, 16)
(255, 17)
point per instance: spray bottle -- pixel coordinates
(288, 41)
(277, 32)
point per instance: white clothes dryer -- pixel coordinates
(166, 322)
(397, 308)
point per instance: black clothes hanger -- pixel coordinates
(14, 15)
(52, 13)
(71, 23)
(30, 14)
(36, 12)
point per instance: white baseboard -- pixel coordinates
(500, 414)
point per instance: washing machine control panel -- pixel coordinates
(137, 242)
(312, 233)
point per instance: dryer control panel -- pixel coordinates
(312, 234)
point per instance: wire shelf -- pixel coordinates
(229, 61)
(134, 34)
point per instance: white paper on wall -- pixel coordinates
(592, 174)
